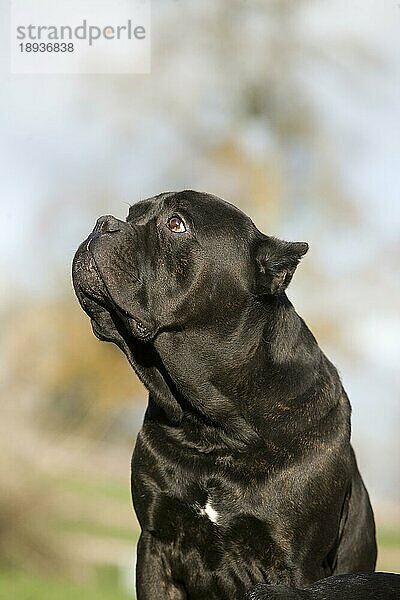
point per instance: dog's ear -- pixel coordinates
(276, 262)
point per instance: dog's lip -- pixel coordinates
(132, 323)
(103, 298)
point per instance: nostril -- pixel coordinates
(107, 224)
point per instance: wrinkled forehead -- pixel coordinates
(145, 210)
(204, 211)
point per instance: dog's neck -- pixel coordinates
(254, 373)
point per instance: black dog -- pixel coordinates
(360, 586)
(243, 471)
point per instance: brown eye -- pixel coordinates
(176, 225)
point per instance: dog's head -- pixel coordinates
(180, 261)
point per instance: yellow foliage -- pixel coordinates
(53, 353)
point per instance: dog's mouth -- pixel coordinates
(110, 321)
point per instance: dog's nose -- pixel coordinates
(107, 224)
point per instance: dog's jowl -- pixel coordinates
(243, 470)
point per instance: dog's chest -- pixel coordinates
(199, 509)
(204, 542)
(205, 494)
(207, 511)
(205, 518)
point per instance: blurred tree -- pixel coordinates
(73, 381)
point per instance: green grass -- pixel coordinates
(96, 529)
(95, 488)
(389, 538)
(101, 583)
(21, 586)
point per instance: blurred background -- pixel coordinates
(291, 110)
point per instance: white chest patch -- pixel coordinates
(208, 511)
(211, 513)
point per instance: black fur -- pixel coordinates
(359, 586)
(246, 416)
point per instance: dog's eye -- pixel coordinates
(176, 225)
